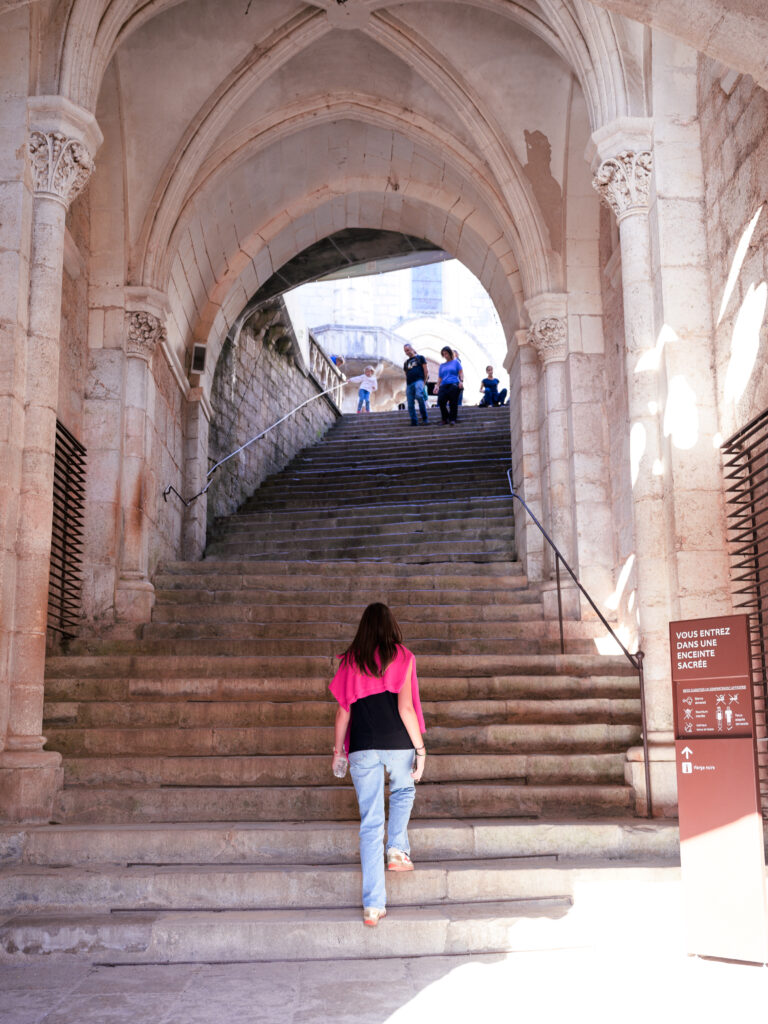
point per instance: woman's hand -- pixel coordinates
(418, 766)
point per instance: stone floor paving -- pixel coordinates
(599, 985)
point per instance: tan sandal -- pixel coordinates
(372, 915)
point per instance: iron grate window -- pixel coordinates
(746, 477)
(67, 535)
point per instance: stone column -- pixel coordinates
(549, 338)
(62, 139)
(196, 426)
(623, 181)
(523, 367)
(548, 334)
(144, 329)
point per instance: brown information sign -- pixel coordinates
(721, 829)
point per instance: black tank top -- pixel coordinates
(376, 724)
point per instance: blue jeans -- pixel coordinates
(492, 397)
(367, 770)
(363, 396)
(415, 393)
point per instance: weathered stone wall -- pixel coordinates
(734, 131)
(257, 381)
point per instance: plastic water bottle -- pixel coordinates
(340, 766)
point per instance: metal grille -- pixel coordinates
(66, 536)
(746, 474)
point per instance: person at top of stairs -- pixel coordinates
(379, 724)
(451, 385)
(415, 367)
(368, 383)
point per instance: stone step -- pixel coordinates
(408, 511)
(470, 459)
(214, 591)
(341, 533)
(260, 647)
(322, 502)
(269, 935)
(438, 575)
(285, 688)
(363, 497)
(313, 770)
(133, 805)
(137, 713)
(477, 552)
(200, 606)
(420, 589)
(474, 666)
(342, 632)
(540, 737)
(33, 891)
(339, 458)
(321, 842)
(340, 437)
(475, 477)
(368, 543)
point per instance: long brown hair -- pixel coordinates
(378, 632)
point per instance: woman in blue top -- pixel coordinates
(451, 384)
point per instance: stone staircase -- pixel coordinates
(199, 820)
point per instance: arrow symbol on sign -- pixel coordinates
(686, 752)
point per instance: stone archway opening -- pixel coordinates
(351, 300)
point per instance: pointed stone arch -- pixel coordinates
(322, 110)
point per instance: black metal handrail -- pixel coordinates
(636, 659)
(170, 489)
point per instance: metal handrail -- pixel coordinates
(636, 659)
(170, 489)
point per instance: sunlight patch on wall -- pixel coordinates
(738, 263)
(606, 645)
(651, 359)
(637, 444)
(612, 601)
(681, 415)
(745, 341)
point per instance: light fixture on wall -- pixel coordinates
(199, 353)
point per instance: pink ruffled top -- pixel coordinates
(350, 684)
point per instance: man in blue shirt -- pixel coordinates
(490, 388)
(416, 373)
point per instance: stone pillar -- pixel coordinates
(144, 329)
(623, 180)
(197, 422)
(523, 367)
(62, 139)
(548, 334)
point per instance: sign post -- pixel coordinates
(722, 852)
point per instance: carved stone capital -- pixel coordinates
(549, 337)
(61, 166)
(143, 332)
(624, 182)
